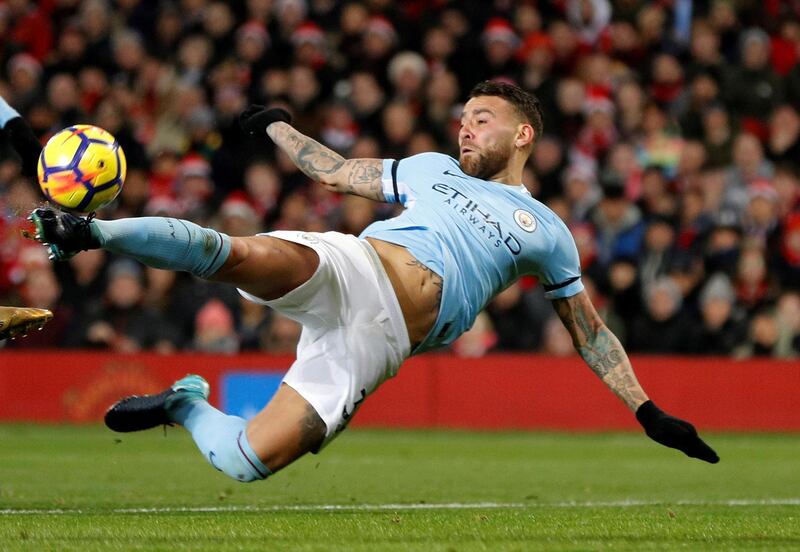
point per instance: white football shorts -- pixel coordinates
(354, 336)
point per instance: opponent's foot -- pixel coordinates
(17, 321)
(137, 412)
(64, 233)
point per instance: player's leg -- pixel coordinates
(264, 266)
(267, 267)
(16, 321)
(284, 430)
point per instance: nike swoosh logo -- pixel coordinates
(448, 173)
(211, 456)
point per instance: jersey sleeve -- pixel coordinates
(401, 175)
(396, 185)
(561, 273)
(391, 191)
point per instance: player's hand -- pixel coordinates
(256, 118)
(673, 432)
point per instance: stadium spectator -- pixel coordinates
(763, 336)
(658, 254)
(788, 313)
(30, 28)
(758, 90)
(580, 190)
(665, 326)
(722, 324)
(514, 308)
(718, 135)
(783, 145)
(281, 336)
(253, 325)
(84, 279)
(705, 54)
(755, 287)
(749, 165)
(120, 322)
(617, 222)
(478, 340)
(214, 329)
(557, 341)
(41, 289)
(624, 292)
(408, 72)
(547, 163)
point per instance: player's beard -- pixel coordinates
(487, 163)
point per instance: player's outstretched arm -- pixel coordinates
(605, 355)
(360, 177)
(22, 139)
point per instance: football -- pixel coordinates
(81, 168)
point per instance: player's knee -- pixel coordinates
(240, 250)
(233, 456)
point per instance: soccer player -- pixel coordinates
(405, 286)
(18, 321)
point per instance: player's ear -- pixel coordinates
(525, 136)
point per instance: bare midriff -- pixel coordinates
(418, 288)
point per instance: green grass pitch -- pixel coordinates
(84, 488)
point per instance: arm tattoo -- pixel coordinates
(315, 160)
(436, 280)
(600, 348)
(360, 177)
(364, 178)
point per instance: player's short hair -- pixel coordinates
(526, 104)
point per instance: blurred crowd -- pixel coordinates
(671, 149)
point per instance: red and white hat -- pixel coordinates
(26, 62)
(381, 26)
(598, 103)
(255, 30)
(237, 204)
(762, 187)
(308, 33)
(194, 165)
(501, 30)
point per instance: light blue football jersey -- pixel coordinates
(479, 236)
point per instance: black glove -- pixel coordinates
(256, 118)
(673, 432)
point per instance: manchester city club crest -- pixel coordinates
(525, 220)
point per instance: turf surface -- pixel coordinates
(82, 488)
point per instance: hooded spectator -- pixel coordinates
(663, 328)
(721, 326)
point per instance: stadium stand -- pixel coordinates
(671, 149)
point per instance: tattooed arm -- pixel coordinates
(600, 348)
(605, 356)
(360, 177)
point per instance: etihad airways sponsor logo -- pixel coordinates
(481, 220)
